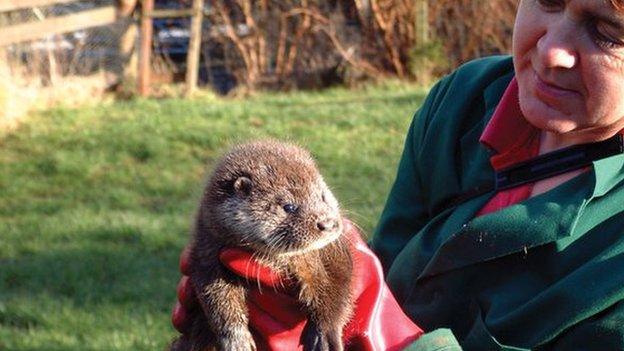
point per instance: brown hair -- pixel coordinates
(618, 4)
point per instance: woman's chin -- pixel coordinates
(555, 126)
(547, 118)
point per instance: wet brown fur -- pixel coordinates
(243, 205)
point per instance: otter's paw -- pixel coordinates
(239, 339)
(314, 339)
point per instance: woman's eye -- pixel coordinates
(604, 35)
(290, 208)
(551, 5)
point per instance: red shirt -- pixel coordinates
(514, 140)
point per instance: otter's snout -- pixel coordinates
(327, 224)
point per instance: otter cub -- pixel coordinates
(269, 197)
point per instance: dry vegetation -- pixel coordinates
(21, 93)
(310, 43)
(301, 43)
(472, 28)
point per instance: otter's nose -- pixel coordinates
(327, 224)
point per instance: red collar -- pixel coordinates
(508, 133)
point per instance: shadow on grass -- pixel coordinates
(393, 99)
(97, 273)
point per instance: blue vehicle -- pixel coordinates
(171, 41)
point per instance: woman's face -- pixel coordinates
(569, 62)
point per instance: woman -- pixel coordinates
(535, 262)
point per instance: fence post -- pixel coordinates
(192, 58)
(51, 74)
(146, 47)
(422, 23)
(125, 65)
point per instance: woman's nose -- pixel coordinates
(556, 48)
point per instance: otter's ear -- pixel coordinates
(242, 186)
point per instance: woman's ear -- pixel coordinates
(242, 186)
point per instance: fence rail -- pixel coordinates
(57, 25)
(11, 5)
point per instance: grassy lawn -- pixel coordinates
(96, 203)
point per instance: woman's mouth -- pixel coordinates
(551, 93)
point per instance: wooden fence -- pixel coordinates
(109, 15)
(196, 12)
(56, 25)
(118, 17)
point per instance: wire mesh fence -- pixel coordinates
(41, 68)
(68, 67)
(46, 61)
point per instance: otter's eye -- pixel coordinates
(290, 208)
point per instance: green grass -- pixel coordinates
(96, 203)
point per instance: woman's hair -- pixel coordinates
(618, 4)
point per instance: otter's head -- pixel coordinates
(270, 197)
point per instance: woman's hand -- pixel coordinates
(187, 301)
(275, 317)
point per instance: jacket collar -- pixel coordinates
(608, 172)
(502, 130)
(516, 229)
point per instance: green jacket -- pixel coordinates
(547, 273)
